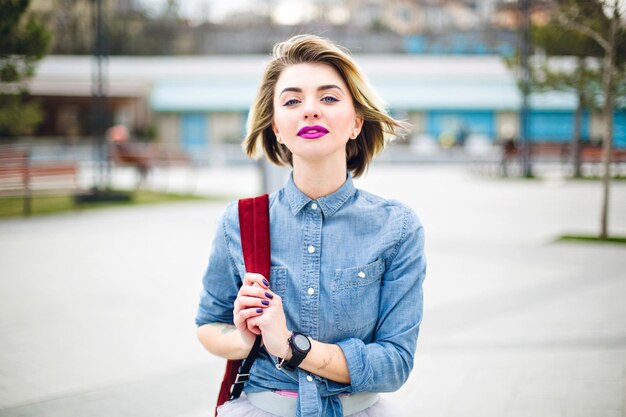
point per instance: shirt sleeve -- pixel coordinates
(385, 364)
(221, 281)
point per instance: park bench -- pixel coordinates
(144, 157)
(592, 156)
(20, 176)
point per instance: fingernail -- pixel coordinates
(268, 295)
(265, 302)
(266, 282)
(259, 310)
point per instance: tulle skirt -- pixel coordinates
(241, 407)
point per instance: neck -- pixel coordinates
(318, 179)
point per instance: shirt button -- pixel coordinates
(314, 206)
(309, 378)
(311, 249)
(311, 291)
(361, 274)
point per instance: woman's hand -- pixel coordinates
(273, 326)
(252, 300)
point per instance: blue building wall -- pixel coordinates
(544, 125)
(462, 43)
(555, 126)
(460, 123)
(619, 129)
(194, 130)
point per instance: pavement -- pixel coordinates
(97, 307)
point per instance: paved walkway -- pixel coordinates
(97, 308)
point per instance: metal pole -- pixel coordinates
(525, 45)
(99, 95)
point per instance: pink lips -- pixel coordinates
(312, 132)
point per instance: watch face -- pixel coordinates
(301, 342)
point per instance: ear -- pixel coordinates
(358, 125)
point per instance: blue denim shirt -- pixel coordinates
(349, 267)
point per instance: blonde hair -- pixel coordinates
(378, 126)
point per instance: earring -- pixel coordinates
(278, 139)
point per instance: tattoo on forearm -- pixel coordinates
(226, 328)
(327, 361)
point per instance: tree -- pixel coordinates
(23, 42)
(601, 21)
(583, 80)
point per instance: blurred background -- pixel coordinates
(515, 163)
(468, 75)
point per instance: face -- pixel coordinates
(313, 113)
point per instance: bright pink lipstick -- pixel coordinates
(312, 132)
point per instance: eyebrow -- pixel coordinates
(320, 88)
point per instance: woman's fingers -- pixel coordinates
(249, 313)
(251, 278)
(243, 302)
(253, 298)
(254, 291)
(241, 318)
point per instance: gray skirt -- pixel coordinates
(241, 407)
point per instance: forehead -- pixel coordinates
(310, 75)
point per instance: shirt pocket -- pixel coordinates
(278, 279)
(356, 295)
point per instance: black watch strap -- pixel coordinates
(298, 353)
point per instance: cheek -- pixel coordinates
(280, 121)
(346, 120)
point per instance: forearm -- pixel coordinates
(327, 361)
(223, 340)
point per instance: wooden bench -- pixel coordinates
(593, 157)
(20, 176)
(144, 157)
(590, 156)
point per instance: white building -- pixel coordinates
(201, 103)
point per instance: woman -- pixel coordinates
(341, 316)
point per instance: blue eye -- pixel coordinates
(329, 99)
(291, 102)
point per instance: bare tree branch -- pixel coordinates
(570, 22)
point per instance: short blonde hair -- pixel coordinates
(378, 126)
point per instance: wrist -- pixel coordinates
(287, 353)
(299, 347)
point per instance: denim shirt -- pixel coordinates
(349, 267)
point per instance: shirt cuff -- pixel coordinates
(360, 372)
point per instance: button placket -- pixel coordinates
(309, 311)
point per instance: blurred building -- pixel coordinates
(364, 26)
(201, 103)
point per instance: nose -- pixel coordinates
(311, 111)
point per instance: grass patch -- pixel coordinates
(597, 178)
(42, 205)
(619, 240)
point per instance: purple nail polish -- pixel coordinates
(268, 295)
(259, 310)
(265, 302)
(266, 282)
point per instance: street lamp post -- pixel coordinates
(524, 46)
(101, 187)
(99, 96)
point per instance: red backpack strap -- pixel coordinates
(254, 225)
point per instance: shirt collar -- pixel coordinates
(328, 204)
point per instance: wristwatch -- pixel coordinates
(300, 346)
